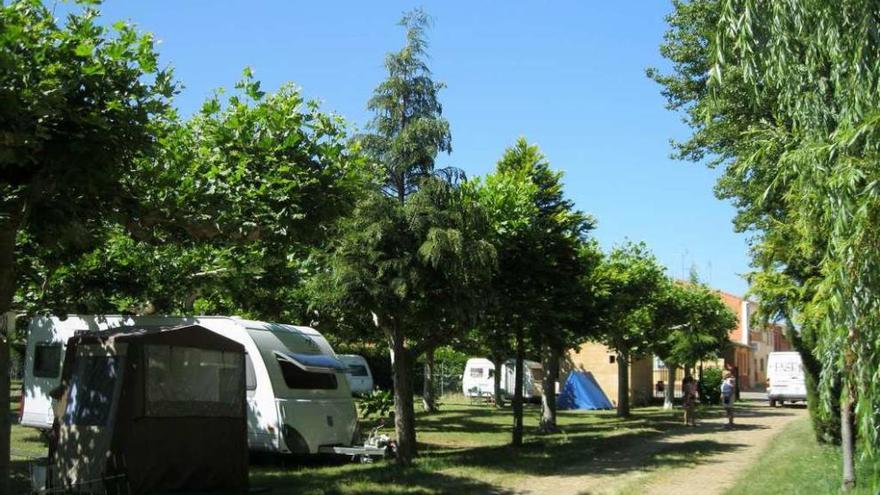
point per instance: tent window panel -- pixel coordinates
(357, 370)
(188, 381)
(90, 394)
(300, 379)
(47, 360)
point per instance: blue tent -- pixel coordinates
(582, 392)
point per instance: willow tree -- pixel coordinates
(725, 121)
(807, 74)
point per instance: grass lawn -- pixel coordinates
(463, 449)
(25, 443)
(796, 464)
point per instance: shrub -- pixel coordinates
(710, 385)
(377, 404)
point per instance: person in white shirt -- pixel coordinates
(727, 390)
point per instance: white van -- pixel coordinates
(785, 378)
(479, 378)
(298, 396)
(359, 376)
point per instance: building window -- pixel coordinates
(762, 365)
(612, 358)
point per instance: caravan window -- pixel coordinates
(188, 381)
(357, 370)
(91, 391)
(476, 372)
(298, 378)
(250, 377)
(47, 360)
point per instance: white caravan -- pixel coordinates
(298, 396)
(785, 378)
(358, 374)
(479, 378)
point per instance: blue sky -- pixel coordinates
(569, 76)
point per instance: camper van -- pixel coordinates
(785, 378)
(479, 378)
(297, 392)
(358, 374)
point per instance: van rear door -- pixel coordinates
(42, 374)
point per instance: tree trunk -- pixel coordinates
(8, 230)
(404, 412)
(847, 440)
(518, 391)
(428, 401)
(847, 433)
(669, 391)
(548, 395)
(622, 385)
(499, 394)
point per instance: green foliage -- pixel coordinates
(628, 281)
(823, 70)
(377, 404)
(79, 105)
(229, 210)
(692, 323)
(710, 385)
(742, 127)
(408, 130)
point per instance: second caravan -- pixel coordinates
(479, 378)
(297, 392)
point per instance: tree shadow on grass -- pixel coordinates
(591, 444)
(371, 479)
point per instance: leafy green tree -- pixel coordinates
(230, 208)
(629, 281)
(78, 106)
(535, 294)
(693, 324)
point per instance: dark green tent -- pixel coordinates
(146, 410)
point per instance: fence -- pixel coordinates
(447, 378)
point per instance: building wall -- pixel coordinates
(597, 359)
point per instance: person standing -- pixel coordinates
(689, 400)
(727, 391)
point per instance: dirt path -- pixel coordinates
(709, 457)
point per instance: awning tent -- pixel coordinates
(151, 410)
(582, 392)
